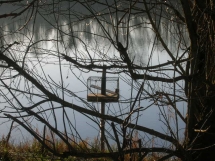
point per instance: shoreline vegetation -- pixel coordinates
(31, 149)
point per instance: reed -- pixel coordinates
(29, 150)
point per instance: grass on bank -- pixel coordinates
(33, 150)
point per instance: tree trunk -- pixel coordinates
(200, 134)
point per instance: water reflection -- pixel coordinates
(51, 35)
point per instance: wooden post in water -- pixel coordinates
(102, 121)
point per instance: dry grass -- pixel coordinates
(33, 150)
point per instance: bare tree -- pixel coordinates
(161, 50)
